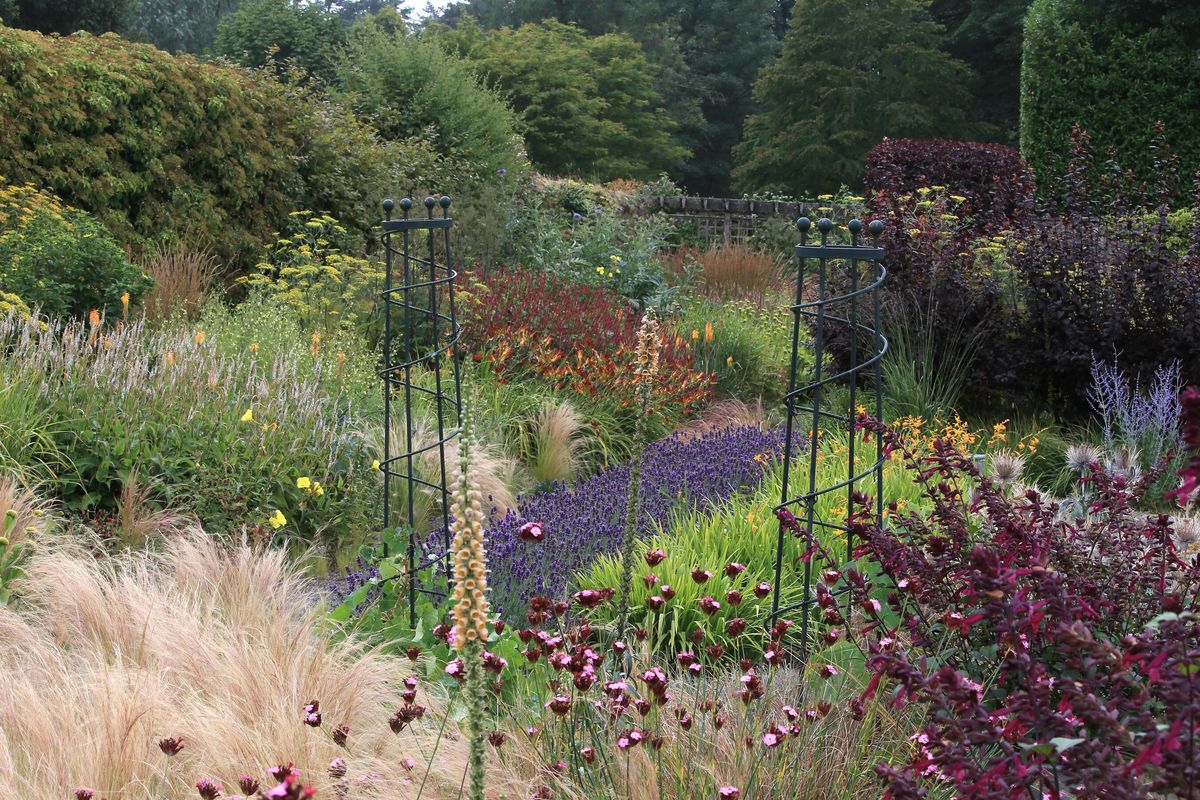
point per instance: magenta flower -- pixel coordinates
(655, 557)
(247, 784)
(700, 575)
(208, 789)
(729, 793)
(708, 605)
(532, 532)
(84, 793)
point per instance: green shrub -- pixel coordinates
(407, 86)
(59, 259)
(1115, 69)
(588, 103)
(160, 147)
(282, 32)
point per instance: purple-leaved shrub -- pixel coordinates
(1052, 658)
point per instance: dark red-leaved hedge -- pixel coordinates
(997, 183)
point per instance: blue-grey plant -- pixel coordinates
(1133, 418)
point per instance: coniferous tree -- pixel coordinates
(850, 74)
(587, 102)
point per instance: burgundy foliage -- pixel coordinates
(1053, 658)
(996, 181)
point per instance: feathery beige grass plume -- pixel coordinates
(219, 645)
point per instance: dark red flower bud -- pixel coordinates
(733, 569)
(655, 557)
(700, 575)
(171, 745)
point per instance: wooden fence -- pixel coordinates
(725, 220)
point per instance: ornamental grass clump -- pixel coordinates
(140, 674)
(221, 431)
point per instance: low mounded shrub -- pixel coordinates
(59, 259)
(996, 185)
(161, 147)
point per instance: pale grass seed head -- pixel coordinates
(220, 645)
(557, 427)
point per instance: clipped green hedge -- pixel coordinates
(164, 147)
(1115, 69)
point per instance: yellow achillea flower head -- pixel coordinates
(277, 520)
(469, 562)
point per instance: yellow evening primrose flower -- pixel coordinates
(375, 464)
(277, 520)
(318, 489)
(248, 416)
(303, 483)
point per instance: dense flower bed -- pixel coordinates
(580, 338)
(583, 521)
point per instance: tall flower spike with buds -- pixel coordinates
(646, 372)
(470, 592)
(469, 561)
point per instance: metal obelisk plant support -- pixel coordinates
(837, 290)
(420, 340)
